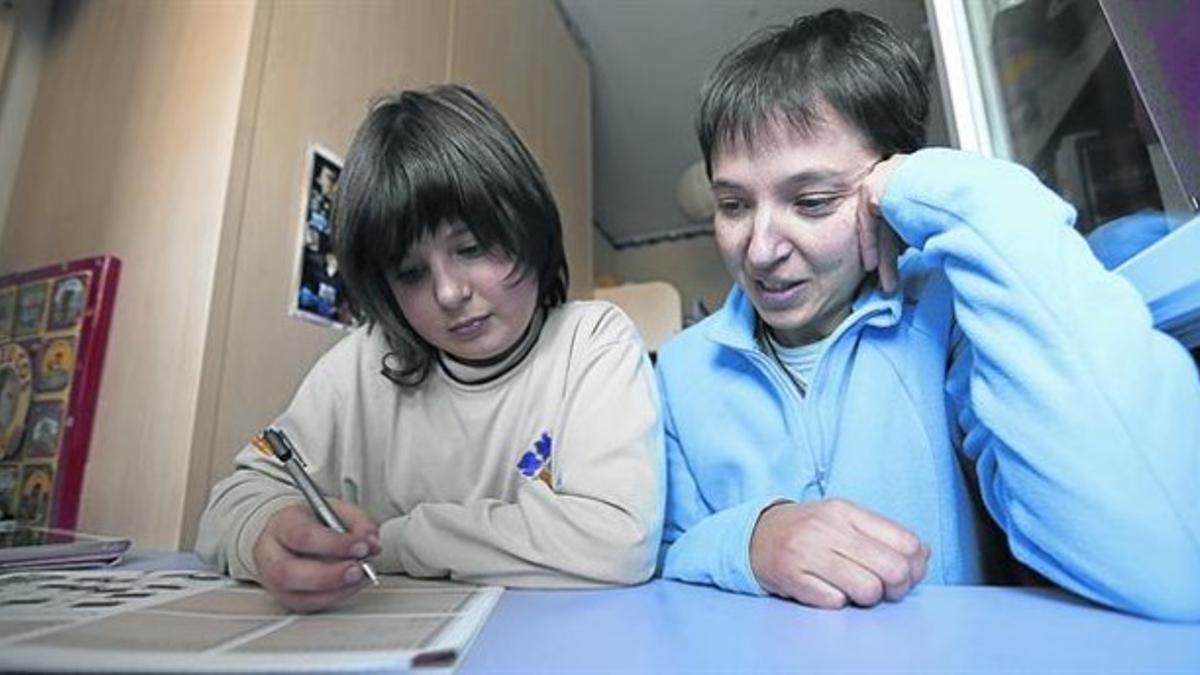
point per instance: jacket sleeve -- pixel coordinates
(240, 504)
(1082, 420)
(601, 522)
(699, 545)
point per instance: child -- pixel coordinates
(478, 427)
(836, 431)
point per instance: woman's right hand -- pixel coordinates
(831, 553)
(307, 566)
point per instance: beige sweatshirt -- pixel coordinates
(550, 475)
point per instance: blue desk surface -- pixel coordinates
(665, 626)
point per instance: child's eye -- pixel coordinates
(409, 275)
(471, 251)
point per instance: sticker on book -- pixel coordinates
(31, 309)
(9, 487)
(55, 365)
(67, 301)
(16, 377)
(37, 484)
(8, 308)
(43, 429)
(536, 463)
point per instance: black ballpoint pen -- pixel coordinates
(278, 445)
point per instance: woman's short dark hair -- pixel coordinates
(423, 158)
(850, 61)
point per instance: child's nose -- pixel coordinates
(450, 289)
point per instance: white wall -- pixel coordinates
(23, 26)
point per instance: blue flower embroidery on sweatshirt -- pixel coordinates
(543, 446)
(535, 462)
(529, 464)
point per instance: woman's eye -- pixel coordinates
(731, 207)
(817, 204)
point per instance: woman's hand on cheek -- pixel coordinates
(879, 244)
(307, 566)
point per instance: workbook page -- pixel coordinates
(188, 621)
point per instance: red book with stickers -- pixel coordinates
(54, 324)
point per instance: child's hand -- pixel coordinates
(308, 566)
(879, 245)
(833, 552)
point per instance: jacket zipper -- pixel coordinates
(797, 415)
(802, 412)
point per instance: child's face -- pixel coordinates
(786, 225)
(467, 302)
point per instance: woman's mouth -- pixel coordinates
(776, 294)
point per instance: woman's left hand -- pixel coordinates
(878, 243)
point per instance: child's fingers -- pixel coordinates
(297, 530)
(300, 581)
(358, 522)
(309, 584)
(295, 574)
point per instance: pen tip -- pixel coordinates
(371, 573)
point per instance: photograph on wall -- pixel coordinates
(320, 292)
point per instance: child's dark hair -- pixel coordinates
(428, 157)
(850, 61)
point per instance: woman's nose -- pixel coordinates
(766, 247)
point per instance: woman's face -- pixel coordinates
(786, 224)
(465, 301)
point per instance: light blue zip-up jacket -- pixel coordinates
(1011, 366)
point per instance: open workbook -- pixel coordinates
(187, 621)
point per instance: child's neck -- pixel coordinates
(465, 371)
